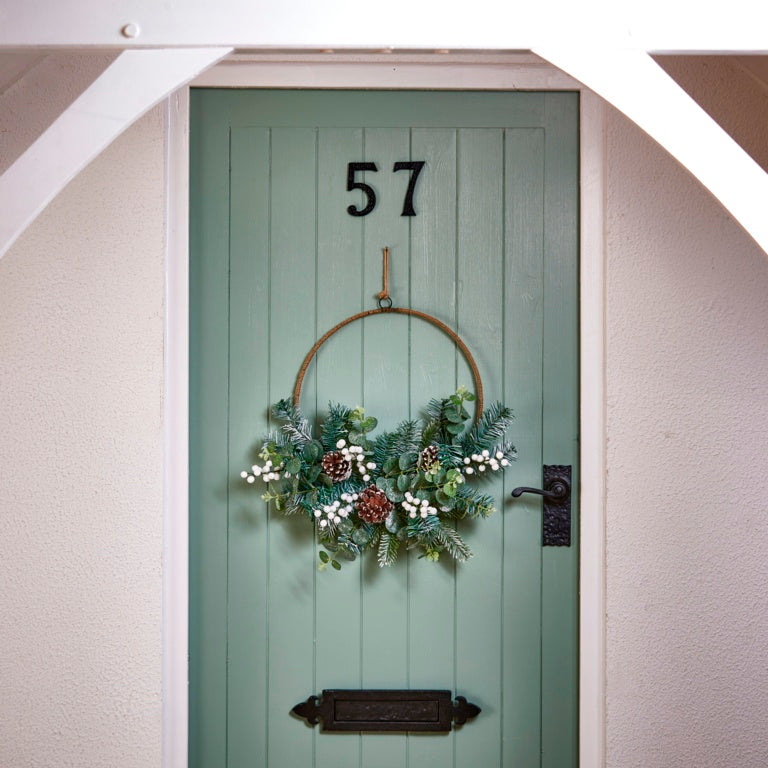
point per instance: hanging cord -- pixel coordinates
(383, 295)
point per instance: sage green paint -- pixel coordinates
(275, 261)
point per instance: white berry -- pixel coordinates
(323, 523)
(251, 479)
(341, 443)
(469, 470)
(504, 463)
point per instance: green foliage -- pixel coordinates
(335, 426)
(426, 469)
(454, 545)
(389, 545)
(296, 428)
(489, 430)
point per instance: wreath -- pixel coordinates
(401, 489)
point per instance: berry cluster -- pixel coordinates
(416, 507)
(334, 512)
(267, 472)
(484, 461)
(355, 453)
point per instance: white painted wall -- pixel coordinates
(81, 303)
(81, 345)
(687, 529)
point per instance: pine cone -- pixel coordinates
(428, 458)
(373, 506)
(337, 466)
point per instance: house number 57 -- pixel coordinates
(414, 166)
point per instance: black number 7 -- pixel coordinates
(415, 166)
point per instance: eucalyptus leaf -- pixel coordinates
(442, 498)
(389, 465)
(311, 452)
(406, 460)
(449, 489)
(393, 523)
(403, 482)
(454, 429)
(293, 466)
(324, 556)
(356, 438)
(325, 480)
(336, 564)
(454, 415)
(369, 424)
(361, 536)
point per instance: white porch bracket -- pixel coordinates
(129, 87)
(636, 85)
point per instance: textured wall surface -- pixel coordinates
(687, 538)
(81, 345)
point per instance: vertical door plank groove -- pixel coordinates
(386, 396)
(209, 301)
(339, 378)
(433, 290)
(292, 552)
(480, 248)
(249, 391)
(560, 429)
(523, 328)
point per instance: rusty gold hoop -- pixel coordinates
(400, 311)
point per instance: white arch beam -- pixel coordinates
(635, 84)
(131, 85)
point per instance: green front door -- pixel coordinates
(276, 260)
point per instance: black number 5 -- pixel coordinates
(415, 166)
(352, 169)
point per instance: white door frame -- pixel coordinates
(387, 71)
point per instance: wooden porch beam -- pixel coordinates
(129, 87)
(636, 85)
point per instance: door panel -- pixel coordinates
(276, 260)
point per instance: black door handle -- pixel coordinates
(556, 515)
(558, 490)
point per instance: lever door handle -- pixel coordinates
(558, 490)
(556, 514)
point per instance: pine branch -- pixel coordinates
(436, 412)
(335, 425)
(405, 438)
(453, 543)
(470, 502)
(297, 427)
(388, 548)
(491, 428)
(431, 434)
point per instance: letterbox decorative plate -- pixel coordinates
(386, 710)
